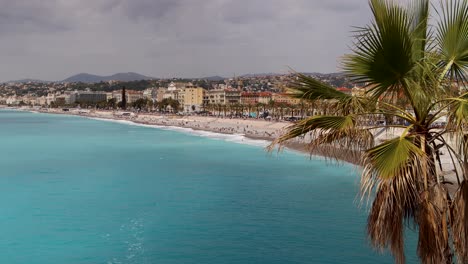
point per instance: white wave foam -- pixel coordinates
(235, 138)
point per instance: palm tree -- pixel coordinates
(219, 107)
(258, 107)
(175, 105)
(302, 108)
(412, 72)
(224, 110)
(112, 103)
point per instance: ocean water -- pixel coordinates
(77, 190)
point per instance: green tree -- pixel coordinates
(124, 99)
(120, 105)
(101, 105)
(149, 105)
(175, 105)
(172, 103)
(258, 106)
(412, 72)
(112, 103)
(163, 104)
(140, 103)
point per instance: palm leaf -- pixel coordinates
(323, 123)
(452, 38)
(391, 170)
(457, 112)
(383, 52)
(386, 216)
(419, 10)
(391, 158)
(308, 88)
(336, 137)
(460, 222)
(433, 221)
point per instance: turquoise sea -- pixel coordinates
(77, 190)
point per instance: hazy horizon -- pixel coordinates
(53, 39)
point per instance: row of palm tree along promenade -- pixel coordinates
(407, 130)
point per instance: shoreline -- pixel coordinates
(260, 131)
(251, 129)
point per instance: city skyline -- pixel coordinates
(51, 40)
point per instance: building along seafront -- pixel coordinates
(87, 97)
(225, 96)
(193, 98)
(130, 95)
(252, 98)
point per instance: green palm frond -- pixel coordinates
(396, 111)
(383, 52)
(354, 104)
(452, 38)
(419, 11)
(391, 158)
(308, 88)
(458, 113)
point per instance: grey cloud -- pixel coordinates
(250, 11)
(174, 37)
(146, 9)
(342, 6)
(30, 16)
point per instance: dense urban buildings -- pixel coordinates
(192, 95)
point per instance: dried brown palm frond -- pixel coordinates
(460, 223)
(432, 218)
(463, 150)
(385, 220)
(392, 171)
(342, 145)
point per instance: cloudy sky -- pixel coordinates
(53, 39)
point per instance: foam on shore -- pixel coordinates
(236, 138)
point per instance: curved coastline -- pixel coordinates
(237, 138)
(262, 133)
(259, 141)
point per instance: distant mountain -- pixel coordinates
(129, 76)
(91, 78)
(28, 80)
(84, 77)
